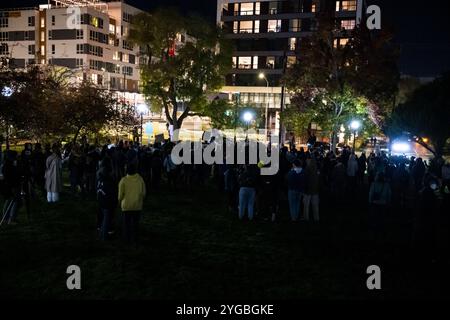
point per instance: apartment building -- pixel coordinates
(266, 35)
(86, 36)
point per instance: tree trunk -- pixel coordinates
(76, 135)
(333, 141)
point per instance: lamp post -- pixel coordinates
(7, 92)
(248, 117)
(263, 76)
(354, 125)
(142, 108)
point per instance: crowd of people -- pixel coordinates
(123, 174)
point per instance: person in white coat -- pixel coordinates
(53, 175)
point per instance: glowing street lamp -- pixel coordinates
(354, 125)
(7, 92)
(142, 108)
(248, 117)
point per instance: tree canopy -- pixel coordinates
(47, 103)
(176, 76)
(332, 82)
(425, 114)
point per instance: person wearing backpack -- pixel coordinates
(106, 196)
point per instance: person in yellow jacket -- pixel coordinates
(131, 198)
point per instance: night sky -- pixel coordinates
(422, 30)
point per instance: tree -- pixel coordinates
(171, 79)
(332, 82)
(426, 114)
(46, 103)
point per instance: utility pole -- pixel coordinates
(281, 137)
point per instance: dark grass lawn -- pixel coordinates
(192, 248)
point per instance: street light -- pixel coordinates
(354, 125)
(142, 108)
(7, 92)
(248, 117)
(263, 76)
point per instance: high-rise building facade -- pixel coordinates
(266, 35)
(86, 36)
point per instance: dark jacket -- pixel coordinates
(296, 181)
(106, 190)
(248, 177)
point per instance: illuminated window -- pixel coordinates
(235, 27)
(270, 62)
(349, 5)
(291, 60)
(340, 42)
(335, 43)
(246, 9)
(343, 41)
(42, 50)
(294, 25)
(348, 24)
(257, 8)
(246, 27)
(292, 43)
(256, 26)
(42, 36)
(313, 8)
(94, 22)
(255, 62)
(245, 62)
(125, 57)
(274, 26)
(117, 56)
(42, 22)
(236, 9)
(94, 78)
(234, 62)
(112, 28)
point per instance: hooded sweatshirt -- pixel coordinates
(131, 193)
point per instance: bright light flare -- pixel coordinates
(142, 108)
(401, 147)
(7, 92)
(248, 116)
(355, 124)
